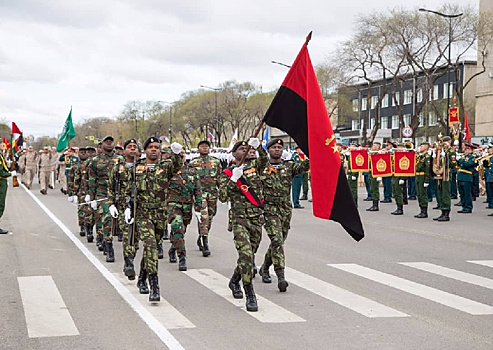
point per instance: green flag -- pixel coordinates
(68, 133)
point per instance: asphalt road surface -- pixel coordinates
(409, 284)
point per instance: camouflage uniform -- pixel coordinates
(77, 186)
(276, 183)
(44, 164)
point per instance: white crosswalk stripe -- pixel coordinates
(450, 273)
(268, 312)
(352, 301)
(436, 295)
(488, 263)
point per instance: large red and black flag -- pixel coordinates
(299, 110)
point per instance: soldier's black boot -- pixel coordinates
(82, 232)
(399, 210)
(199, 243)
(120, 235)
(142, 280)
(251, 299)
(445, 216)
(172, 255)
(282, 284)
(90, 236)
(441, 215)
(205, 245)
(166, 233)
(154, 295)
(423, 214)
(99, 243)
(160, 253)
(234, 285)
(264, 272)
(374, 207)
(128, 268)
(110, 253)
(103, 244)
(182, 265)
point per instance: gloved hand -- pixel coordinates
(354, 178)
(70, 199)
(176, 147)
(254, 142)
(379, 179)
(237, 173)
(430, 151)
(75, 199)
(128, 216)
(433, 155)
(113, 211)
(458, 156)
(13, 173)
(87, 198)
(198, 216)
(442, 153)
(94, 205)
(426, 184)
(401, 182)
(285, 155)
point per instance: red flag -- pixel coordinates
(359, 159)
(466, 126)
(6, 143)
(381, 164)
(299, 109)
(16, 130)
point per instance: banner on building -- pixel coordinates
(381, 164)
(404, 163)
(359, 160)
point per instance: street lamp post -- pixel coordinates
(448, 62)
(215, 105)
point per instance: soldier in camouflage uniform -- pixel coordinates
(276, 182)
(208, 168)
(90, 217)
(184, 192)
(152, 177)
(247, 215)
(422, 179)
(44, 166)
(99, 171)
(122, 174)
(74, 189)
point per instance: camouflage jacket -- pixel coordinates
(229, 191)
(120, 174)
(99, 169)
(151, 183)
(277, 181)
(208, 169)
(77, 179)
(184, 187)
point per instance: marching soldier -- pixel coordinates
(242, 186)
(397, 188)
(276, 183)
(99, 168)
(44, 164)
(146, 207)
(74, 189)
(443, 159)
(488, 177)
(54, 161)
(374, 186)
(422, 179)
(29, 164)
(208, 168)
(4, 174)
(464, 177)
(184, 192)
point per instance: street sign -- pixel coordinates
(407, 131)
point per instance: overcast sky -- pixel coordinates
(96, 55)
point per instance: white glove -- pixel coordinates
(426, 184)
(70, 199)
(13, 173)
(354, 178)
(458, 156)
(87, 198)
(128, 216)
(199, 217)
(285, 155)
(175, 148)
(434, 155)
(75, 199)
(401, 182)
(254, 142)
(430, 151)
(237, 173)
(113, 211)
(442, 153)
(379, 179)
(94, 205)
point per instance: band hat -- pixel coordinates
(128, 142)
(150, 140)
(446, 138)
(275, 142)
(468, 145)
(238, 144)
(426, 143)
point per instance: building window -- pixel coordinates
(422, 120)
(374, 101)
(354, 124)
(451, 90)
(419, 96)
(385, 101)
(445, 90)
(363, 104)
(397, 97)
(355, 105)
(372, 123)
(408, 97)
(384, 123)
(407, 119)
(433, 120)
(395, 122)
(435, 92)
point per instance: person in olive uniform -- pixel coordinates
(422, 179)
(374, 185)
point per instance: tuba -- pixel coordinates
(438, 161)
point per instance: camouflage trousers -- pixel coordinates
(103, 223)
(247, 233)
(128, 248)
(84, 212)
(150, 225)
(277, 220)
(179, 217)
(211, 204)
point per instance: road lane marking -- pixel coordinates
(268, 312)
(436, 295)
(454, 274)
(169, 316)
(45, 312)
(352, 301)
(488, 263)
(162, 332)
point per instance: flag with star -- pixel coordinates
(299, 109)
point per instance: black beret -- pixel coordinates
(129, 142)
(275, 142)
(91, 148)
(238, 144)
(204, 141)
(109, 137)
(151, 139)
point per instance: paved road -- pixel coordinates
(409, 284)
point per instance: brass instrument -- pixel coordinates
(438, 166)
(408, 145)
